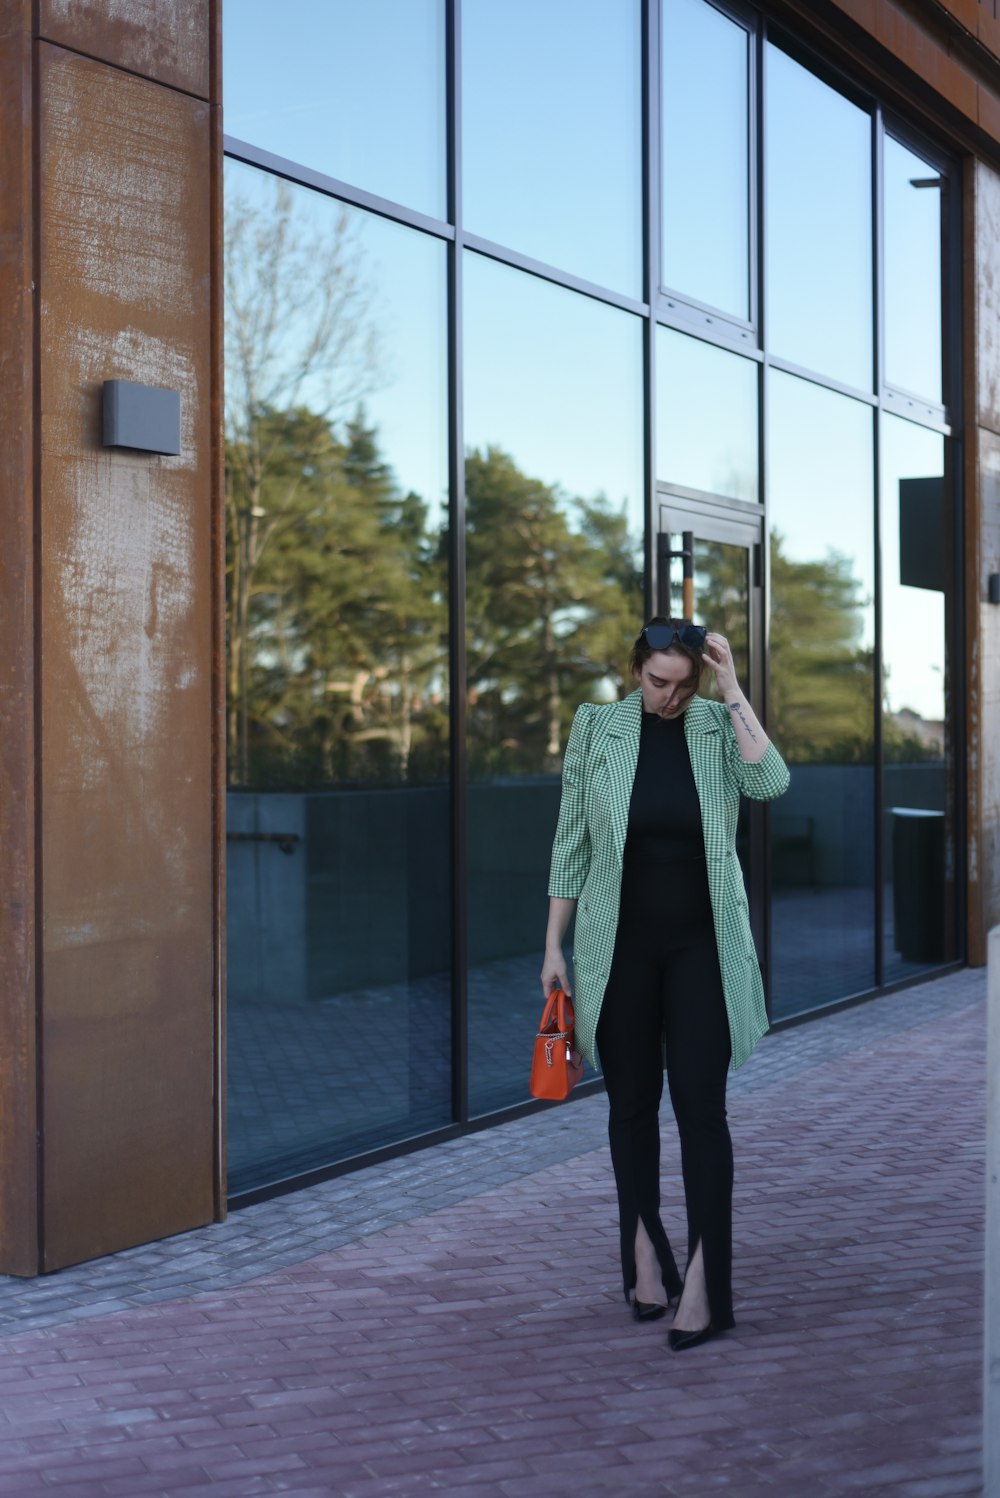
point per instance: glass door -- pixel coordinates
(709, 568)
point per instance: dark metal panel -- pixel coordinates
(18, 971)
(126, 624)
(168, 40)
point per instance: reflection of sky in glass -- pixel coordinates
(912, 273)
(821, 460)
(405, 276)
(912, 618)
(706, 416)
(706, 253)
(818, 225)
(555, 379)
(551, 145)
(353, 90)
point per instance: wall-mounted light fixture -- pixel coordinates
(142, 416)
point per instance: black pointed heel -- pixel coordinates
(643, 1311)
(680, 1340)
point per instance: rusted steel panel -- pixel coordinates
(939, 45)
(168, 40)
(18, 1120)
(986, 291)
(126, 679)
(965, 12)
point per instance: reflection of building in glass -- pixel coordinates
(505, 370)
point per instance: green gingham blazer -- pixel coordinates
(598, 771)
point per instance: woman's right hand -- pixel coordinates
(554, 973)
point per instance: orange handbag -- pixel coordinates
(556, 1066)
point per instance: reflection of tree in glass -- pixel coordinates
(554, 598)
(334, 594)
(720, 590)
(346, 654)
(821, 685)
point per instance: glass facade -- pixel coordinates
(554, 521)
(818, 234)
(706, 417)
(821, 705)
(552, 133)
(339, 926)
(511, 359)
(705, 148)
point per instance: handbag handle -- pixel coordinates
(556, 1005)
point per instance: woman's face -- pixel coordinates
(665, 681)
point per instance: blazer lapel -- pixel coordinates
(621, 755)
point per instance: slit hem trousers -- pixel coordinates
(664, 1000)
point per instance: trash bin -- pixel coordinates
(918, 911)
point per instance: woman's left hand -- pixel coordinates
(719, 656)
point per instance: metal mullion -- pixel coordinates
(652, 207)
(759, 128)
(953, 358)
(688, 315)
(901, 403)
(334, 187)
(457, 580)
(826, 382)
(545, 272)
(878, 371)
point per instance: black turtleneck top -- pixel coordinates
(664, 815)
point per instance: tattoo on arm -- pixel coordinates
(735, 707)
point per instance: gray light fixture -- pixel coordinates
(145, 417)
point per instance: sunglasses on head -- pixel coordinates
(662, 636)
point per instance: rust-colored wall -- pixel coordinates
(126, 665)
(951, 46)
(18, 1163)
(163, 39)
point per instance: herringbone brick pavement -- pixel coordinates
(482, 1347)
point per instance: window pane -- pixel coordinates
(352, 88)
(705, 152)
(818, 233)
(551, 142)
(821, 694)
(554, 519)
(338, 808)
(917, 579)
(706, 416)
(912, 272)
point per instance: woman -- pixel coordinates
(663, 956)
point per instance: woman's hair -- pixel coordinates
(642, 650)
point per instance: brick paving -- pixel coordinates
(451, 1321)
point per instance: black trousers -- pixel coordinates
(664, 998)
